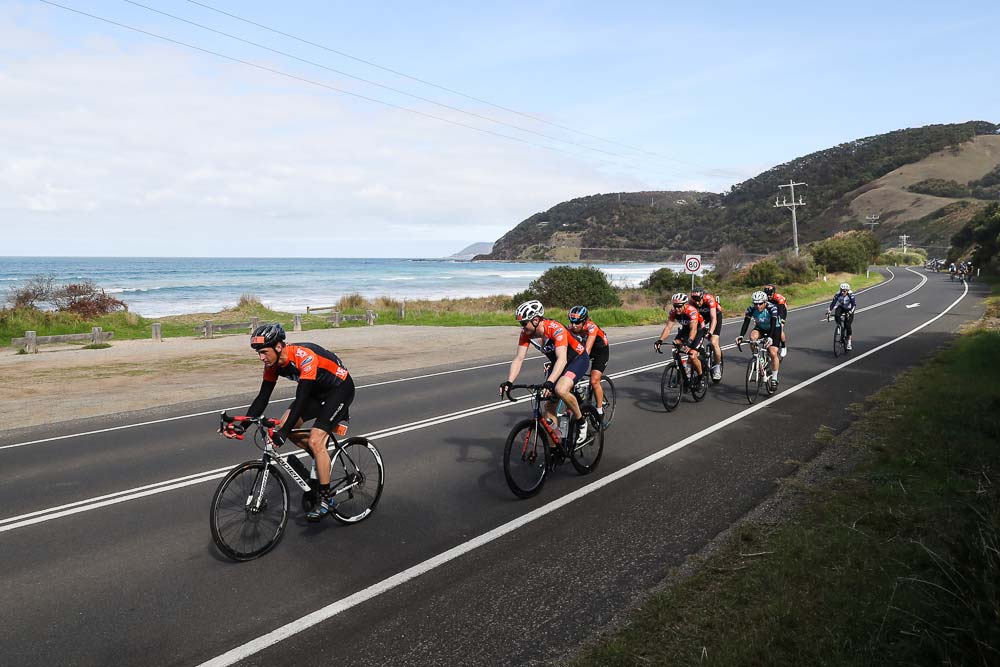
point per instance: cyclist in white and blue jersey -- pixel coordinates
(842, 307)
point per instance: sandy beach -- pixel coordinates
(62, 383)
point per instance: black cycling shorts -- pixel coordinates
(599, 358)
(683, 335)
(330, 408)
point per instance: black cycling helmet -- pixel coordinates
(267, 335)
(578, 314)
(698, 293)
(768, 290)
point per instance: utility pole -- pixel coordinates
(872, 221)
(902, 242)
(792, 205)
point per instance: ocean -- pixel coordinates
(159, 286)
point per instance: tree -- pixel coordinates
(567, 286)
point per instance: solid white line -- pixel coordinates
(255, 646)
(364, 386)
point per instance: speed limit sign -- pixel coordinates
(692, 263)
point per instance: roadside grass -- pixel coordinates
(640, 307)
(895, 562)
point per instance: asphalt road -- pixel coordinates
(106, 555)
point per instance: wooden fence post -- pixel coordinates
(370, 317)
(157, 332)
(254, 323)
(208, 329)
(96, 338)
(297, 326)
(402, 309)
(31, 345)
(336, 318)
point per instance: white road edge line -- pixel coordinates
(892, 276)
(255, 646)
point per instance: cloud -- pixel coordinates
(133, 147)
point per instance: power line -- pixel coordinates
(792, 205)
(375, 83)
(319, 83)
(440, 87)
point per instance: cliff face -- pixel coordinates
(898, 175)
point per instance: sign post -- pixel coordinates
(692, 265)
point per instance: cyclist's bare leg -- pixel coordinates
(317, 446)
(695, 361)
(564, 390)
(775, 358)
(717, 349)
(300, 440)
(595, 382)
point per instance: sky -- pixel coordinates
(115, 142)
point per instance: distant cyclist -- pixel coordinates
(690, 332)
(325, 392)
(782, 305)
(952, 270)
(711, 312)
(842, 308)
(766, 323)
(567, 355)
(596, 343)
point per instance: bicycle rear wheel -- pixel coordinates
(249, 511)
(753, 378)
(671, 386)
(586, 455)
(609, 400)
(526, 458)
(357, 477)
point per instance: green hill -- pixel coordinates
(844, 183)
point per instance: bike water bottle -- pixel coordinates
(564, 424)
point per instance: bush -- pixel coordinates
(352, 302)
(727, 260)
(567, 286)
(847, 251)
(763, 272)
(800, 269)
(897, 257)
(31, 293)
(667, 281)
(85, 299)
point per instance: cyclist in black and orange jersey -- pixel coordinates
(596, 343)
(690, 332)
(781, 304)
(567, 355)
(325, 392)
(711, 312)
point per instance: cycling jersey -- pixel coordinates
(687, 316)
(591, 329)
(780, 303)
(554, 335)
(767, 321)
(844, 301)
(308, 361)
(705, 308)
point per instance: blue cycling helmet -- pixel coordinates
(578, 314)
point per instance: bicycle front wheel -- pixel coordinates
(608, 406)
(526, 458)
(249, 511)
(587, 454)
(357, 477)
(836, 341)
(671, 386)
(754, 373)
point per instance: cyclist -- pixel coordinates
(690, 332)
(952, 270)
(567, 355)
(843, 306)
(767, 322)
(324, 393)
(596, 343)
(782, 305)
(711, 312)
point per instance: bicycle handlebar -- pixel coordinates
(534, 388)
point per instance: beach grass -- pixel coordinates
(896, 560)
(639, 307)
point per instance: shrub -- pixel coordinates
(85, 299)
(800, 269)
(248, 299)
(763, 272)
(897, 257)
(32, 292)
(663, 281)
(727, 260)
(846, 251)
(352, 302)
(568, 286)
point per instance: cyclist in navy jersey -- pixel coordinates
(766, 322)
(842, 308)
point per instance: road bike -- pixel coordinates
(839, 336)
(678, 378)
(757, 368)
(585, 393)
(536, 446)
(708, 358)
(250, 508)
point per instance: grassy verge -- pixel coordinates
(640, 308)
(898, 562)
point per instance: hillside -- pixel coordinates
(898, 174)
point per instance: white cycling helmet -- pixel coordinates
(845, 286)
(758, 297)
(679, 299)
(529, 309)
